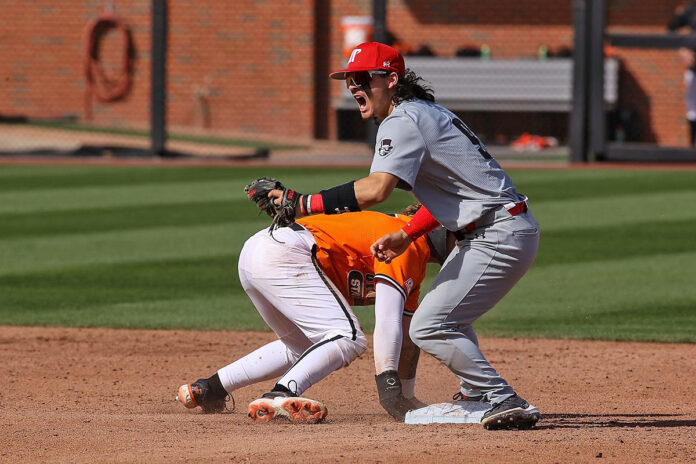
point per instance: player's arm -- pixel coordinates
(375, 188)
(390, 246)
(387, 341)
(351, 196)
(408, 364)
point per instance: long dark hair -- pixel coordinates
(410, 87)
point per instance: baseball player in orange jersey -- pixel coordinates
(303, 280)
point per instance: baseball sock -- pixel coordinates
(692, 125)
(216, 388)
(282, 388)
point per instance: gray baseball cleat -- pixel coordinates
(512, 413)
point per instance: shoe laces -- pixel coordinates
(292, 390)
(229, 398)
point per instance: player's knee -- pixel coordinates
(420, 330)
(352, 348)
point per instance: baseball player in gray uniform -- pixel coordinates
(427, 150)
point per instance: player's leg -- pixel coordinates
(471, 282)
(322, 314)
(305, 296)
(268, 361)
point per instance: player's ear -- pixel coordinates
(393, 80)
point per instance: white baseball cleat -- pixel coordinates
(295, 408)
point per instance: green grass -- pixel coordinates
(157, 248)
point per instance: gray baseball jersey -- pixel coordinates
(442, 162)
(448, 169)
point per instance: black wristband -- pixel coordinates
(340, 199)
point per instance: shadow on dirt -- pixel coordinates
(581, 421)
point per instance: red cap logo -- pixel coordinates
(371, 56)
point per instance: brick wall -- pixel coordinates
(260, 66)
(246, 67)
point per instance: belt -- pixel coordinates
(513, 208)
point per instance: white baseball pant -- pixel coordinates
(317, 330)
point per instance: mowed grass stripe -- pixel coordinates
(91, 220)
(587, 184)
(586, 244)
(227, 312)
(165, 279)
(146, 194)
(133, 217)
(19, 178)
(610, 211)
(67, 251)
(38, 201)
(70, 177)
(602, 300)
(179, 203)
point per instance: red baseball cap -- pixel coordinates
(371, 56)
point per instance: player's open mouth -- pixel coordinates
(362, 102)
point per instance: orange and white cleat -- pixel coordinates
(295, 408)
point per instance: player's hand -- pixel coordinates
(390, 246)
(275, 196)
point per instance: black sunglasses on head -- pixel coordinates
(362, 78)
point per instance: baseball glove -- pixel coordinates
(258, 190)
(283, 214)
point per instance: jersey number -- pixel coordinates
(472, 137)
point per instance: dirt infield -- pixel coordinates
(98, 395)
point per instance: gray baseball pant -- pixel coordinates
(478, 273)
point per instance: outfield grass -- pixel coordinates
(157, 248)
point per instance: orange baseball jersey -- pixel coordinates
(343, 254)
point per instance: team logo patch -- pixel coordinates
(385, 147)
(409, 285)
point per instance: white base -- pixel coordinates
(458, 412)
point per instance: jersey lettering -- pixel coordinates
(355, 284)
(354, 54)
(472, 137)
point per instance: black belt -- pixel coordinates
(514, 209)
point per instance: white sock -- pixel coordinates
(265, 363)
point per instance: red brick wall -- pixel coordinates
(41, 50)
(651, 80)
(251, 65)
